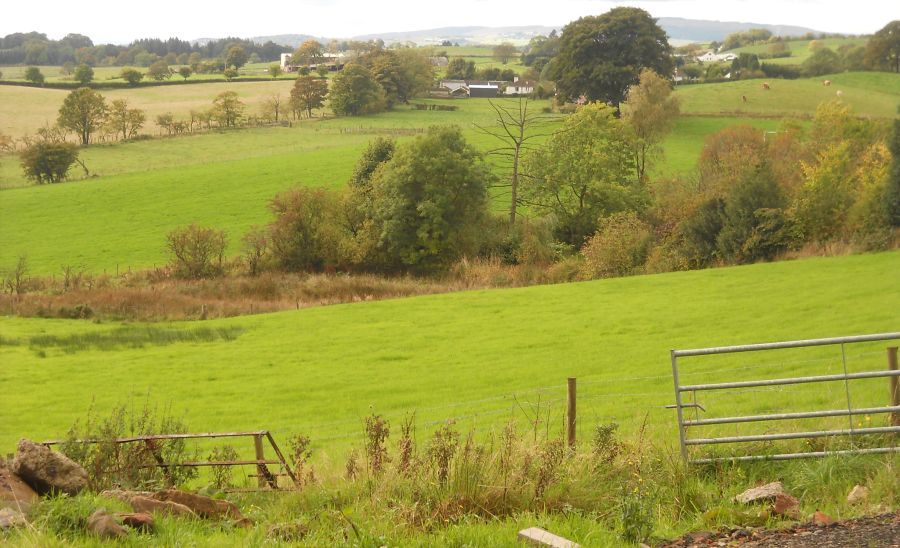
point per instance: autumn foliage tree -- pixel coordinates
(651, 114)
(83, 111)
(308, 94)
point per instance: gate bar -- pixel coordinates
(786, 344)
(793, 380)
(800, 415)
(793, 456)
(794, 435)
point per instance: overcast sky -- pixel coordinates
(120, 22)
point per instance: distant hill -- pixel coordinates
(679, 31)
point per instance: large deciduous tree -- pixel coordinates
(308, 53)
(236, 57)
(84, 74)
(504, 52)
(600, 56)
(355, 91)
(651, 113)
(84, 112)
(34, 75)
(883, 49)
(48, 161)
(307, 94)
(429, 201)
(583, 173)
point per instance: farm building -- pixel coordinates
(519, 87)
(483, 90)
(711, 57)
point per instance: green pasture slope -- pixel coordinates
(483, 357)
(875, 94)
(147, 188)
(800, 51)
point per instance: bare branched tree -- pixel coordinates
(516, 127)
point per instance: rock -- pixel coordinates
(141, 521)
(15, 493)
(48, 471)
(153, 506)
(104, 525)
(244, 522)
(822, 519)
(204, 507)
(766, 492)
(787, 506)
(858, 495)
(10, 518)
(124, 496)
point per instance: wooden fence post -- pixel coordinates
(895, 385)
(570, 418)
(260, 456)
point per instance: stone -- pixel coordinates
(204, 507)
(15, 493)
(535, 536)
(141, 521)
(822, 519)
(764, 493)
(10, 518)
(104, 525)
(858, 495)
(153, 506)
(48, 471)
(787, 506)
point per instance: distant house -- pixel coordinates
(440, 61)
(711, 57)
(334, 63)
(519, 87)
(454, 85)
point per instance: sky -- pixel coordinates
(115, 21)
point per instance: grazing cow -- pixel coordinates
(766, 85)
(744, 98)
(839, 93)
(826, 83)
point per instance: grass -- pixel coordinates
(875, 94)
(800, 51)
(484, 357)
(147, 188)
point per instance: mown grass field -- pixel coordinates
(800, 51)
(483, 357)
(875, 94)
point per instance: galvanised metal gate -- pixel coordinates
(684, 424)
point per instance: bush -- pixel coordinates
(48, 162)
(306, 234)
(619, 248)
(197, 252)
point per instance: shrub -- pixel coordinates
(619, 248)
(306, 234)
(48, 162)
(197, 252)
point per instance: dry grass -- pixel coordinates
(153, 295)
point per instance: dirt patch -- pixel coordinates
(882, 530)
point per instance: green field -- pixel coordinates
(874, 94)
(319, 371)
(800, 51)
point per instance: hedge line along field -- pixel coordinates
(874, 94)
(482, 357)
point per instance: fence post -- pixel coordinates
(570, 418)
(260, 456)
(895, 385)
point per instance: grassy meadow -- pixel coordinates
(799, 49)
(875, 94)
(483, 357)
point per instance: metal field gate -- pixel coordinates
(779, 425)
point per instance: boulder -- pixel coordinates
(152, 506)
(763, 493)
(48, 471)
(787, 506)
(104, 525)
(15, 493)
(10, 518)
(204, 507)
(822, 519)
(858, 495)
(141, 521)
